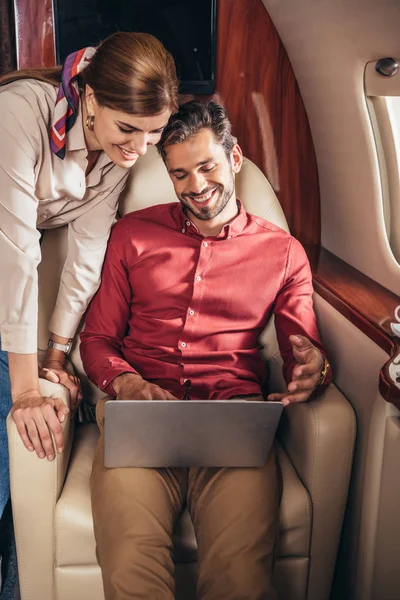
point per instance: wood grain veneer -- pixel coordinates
(34, 27)
(256, 84)
(368, 305)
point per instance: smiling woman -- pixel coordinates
(67, 132)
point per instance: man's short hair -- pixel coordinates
(191, 118)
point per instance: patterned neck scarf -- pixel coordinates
(67, 103)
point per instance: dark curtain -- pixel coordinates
(8, 60)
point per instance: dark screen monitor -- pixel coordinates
(187, 29)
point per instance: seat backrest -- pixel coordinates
(149, 184)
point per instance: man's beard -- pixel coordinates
(210, 212)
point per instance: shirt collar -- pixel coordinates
(75, 136)
(230, 230)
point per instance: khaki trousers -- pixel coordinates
(235, 517)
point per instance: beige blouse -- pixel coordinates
(39, 190)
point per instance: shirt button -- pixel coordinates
(198, 278)
(104, 382)
(205, 244)
(183, 344)
(229, 237)
(185, 381)
(188, 223)
(183, 230)
(191, 313)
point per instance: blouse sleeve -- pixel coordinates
(19, 238)
(87, 243)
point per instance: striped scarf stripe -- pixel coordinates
(67, 102)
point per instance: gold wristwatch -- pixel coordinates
(324, 372)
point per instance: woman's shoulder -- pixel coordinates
(27, 96)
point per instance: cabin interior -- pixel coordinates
(317, 114)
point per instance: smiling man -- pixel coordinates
(184, 297)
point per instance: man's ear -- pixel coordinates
(236, 158)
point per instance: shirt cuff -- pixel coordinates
(19, 339)
(106, 384)
(64, 323)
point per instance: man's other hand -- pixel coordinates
(306, 373)
(130, 386)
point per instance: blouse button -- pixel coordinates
(198, 278)
(205, 244)
(183, 344)
(191, 313)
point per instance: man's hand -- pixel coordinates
(36, 417)
(130, 386)
(306, 373)
(54, 371)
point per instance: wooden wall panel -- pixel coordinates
(256, 84)
(8, 59)
(34, 33)
(369, 306)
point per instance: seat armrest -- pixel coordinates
(36, 485)
(319, 438)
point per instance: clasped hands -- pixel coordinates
(38, 417)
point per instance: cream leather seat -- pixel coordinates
(51, 501)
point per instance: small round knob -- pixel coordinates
(387, 67)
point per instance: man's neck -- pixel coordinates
(213, 227)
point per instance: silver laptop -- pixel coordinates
(192, 433)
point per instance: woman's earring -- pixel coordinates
(90, 122)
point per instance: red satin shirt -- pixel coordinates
(185, 310)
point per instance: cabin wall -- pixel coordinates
(356, 361)
(329, 43)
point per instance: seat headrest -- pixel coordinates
(149, 184)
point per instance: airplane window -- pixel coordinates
(385, 118)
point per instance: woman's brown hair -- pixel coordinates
(130, 72)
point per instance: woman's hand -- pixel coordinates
(54, 371)
(36, 418)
